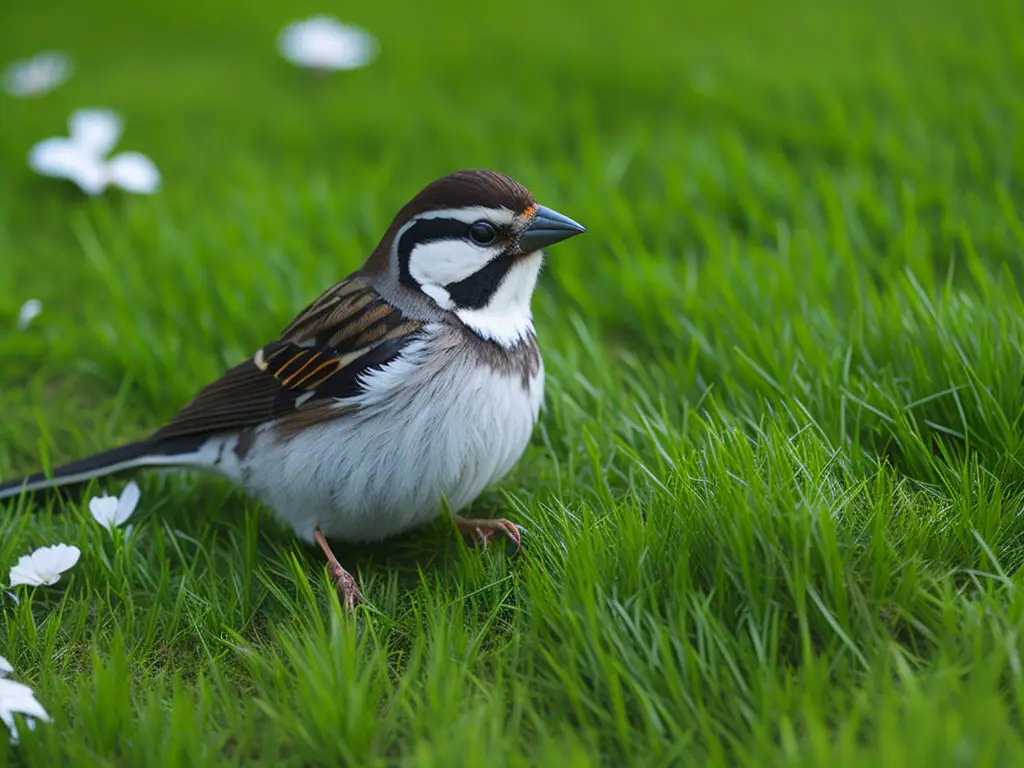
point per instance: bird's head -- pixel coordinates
(471, 243)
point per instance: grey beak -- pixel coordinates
(548, 227)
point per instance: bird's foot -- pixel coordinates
(481, 531)
(344, 582)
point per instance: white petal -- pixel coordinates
(103, 509)
(24, 573)
(45, 565)
(133, 172)
(55, 157)
(64, 159)
(31, 707)
(11, 692)
(92, 176)
(5, 667)
(95, 130)
(40, 74)
(29, 311)
(127, 503)
(56, 559)
(18, 697)
(322, 42)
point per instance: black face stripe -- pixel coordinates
(425, 231)
(476, 290)
(472, 292)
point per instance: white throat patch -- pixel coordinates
(506, 318)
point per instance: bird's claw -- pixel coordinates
(482, 531)
(348, 590)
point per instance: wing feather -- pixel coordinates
(320, 357)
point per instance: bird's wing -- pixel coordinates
(320, 357)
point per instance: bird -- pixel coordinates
(406, 389)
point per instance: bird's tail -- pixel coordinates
(145, 453)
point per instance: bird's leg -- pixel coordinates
(480, 531)
(346, 585)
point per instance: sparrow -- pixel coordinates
(415, 381)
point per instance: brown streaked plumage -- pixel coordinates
(345, 325)
(521, 360)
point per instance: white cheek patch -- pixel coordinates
(441, 262)
(507, 318)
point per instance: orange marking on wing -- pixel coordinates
(321, 380)
(299, 370)
(313, 372)
(280, 369)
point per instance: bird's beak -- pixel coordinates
(547, 228)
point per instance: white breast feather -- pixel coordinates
(422, 429)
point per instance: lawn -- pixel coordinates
(773, 509)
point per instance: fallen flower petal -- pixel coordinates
(322, 42)
(64, 159)
(5, 667)
(18, 698)
(29, 311)
(37, 75)
(133, 172)
(81, 158)
(95, 130)
(55, 157)
(44, 566)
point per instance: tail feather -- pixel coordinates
(145, 453)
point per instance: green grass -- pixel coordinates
(774, 504)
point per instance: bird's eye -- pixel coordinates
(483, 232)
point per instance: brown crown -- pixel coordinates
(462, 189)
